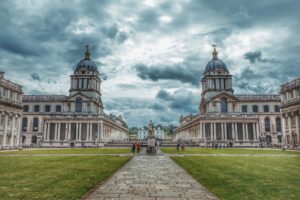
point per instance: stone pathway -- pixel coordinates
(151, 178)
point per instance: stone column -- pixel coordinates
(211, 131)
(254, 131)
(101, 136)
(91, 131)
(247, 136)
(225, 131)
(69, 131)
(45, 131)
(200, 131)
(13, 132)
(244, 132)
(19, 131)
(222, 131)
(297, 127)
(58, 132)
(87, 131)
(55, 132)
(79, 131)
(233, 131)
(5, 130)
(257, 130)
(236, 132)
(48, 131)
(283, 129)
(290, 128)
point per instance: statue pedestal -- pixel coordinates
(151, 145)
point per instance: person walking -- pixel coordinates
(183, 147)
(138, 147)
(177, 147)
(133, 148)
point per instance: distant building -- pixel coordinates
(290, 97)
(10, 113)
(228, 118)
(75, 120)
(143, 133)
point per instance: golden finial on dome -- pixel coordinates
(214, 53)
(87, 53)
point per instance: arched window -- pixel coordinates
(267, 124)
(78, 106)
(35, 124)
(278, 124)
(224, 106)
(24, 124)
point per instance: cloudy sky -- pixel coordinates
(151, 54)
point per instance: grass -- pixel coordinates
(226, 151)
(243, 177)
(73, 151)
(54, 177)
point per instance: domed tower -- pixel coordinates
(86, 81)
(216, 80)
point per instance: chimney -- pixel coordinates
(2, 74)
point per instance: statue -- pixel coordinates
(151, 149)
(151, 128)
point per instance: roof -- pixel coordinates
(257, 97)
(44, 98)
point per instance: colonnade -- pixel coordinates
(10, 123)
(219, 131)
(291, 128)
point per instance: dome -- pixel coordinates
(215, 63)
(87, 64)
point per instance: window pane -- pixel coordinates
(255, 108)
(266, 108)
(244, 108)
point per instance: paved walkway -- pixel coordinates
(151, 177)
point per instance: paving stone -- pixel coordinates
(151, 178)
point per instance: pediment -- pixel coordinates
(79, 94)
(219, 96)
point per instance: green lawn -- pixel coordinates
(226, 151)
(73, 151)
(54, 177)
(243, 177)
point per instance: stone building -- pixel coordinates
(158, 131)
(75, 120)
(228, 118)
(290, 97)
(10, 113)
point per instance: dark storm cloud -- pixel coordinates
(175, 72)
(181, 99)
(249, 81)
(36, 77)
(113, 32)
(256, 56)
(157, 106)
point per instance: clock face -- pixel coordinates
(82, 71)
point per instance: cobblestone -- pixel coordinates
(153, 178)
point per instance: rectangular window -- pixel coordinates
(36, 108)
(244, 108)
(25, 108)
(255, 108)
(47, 108)
(266, 108)
(58, 108)
(276, 108)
